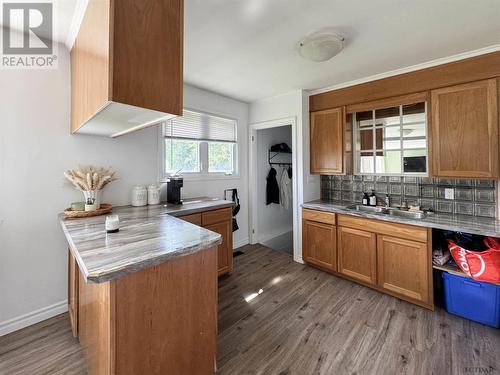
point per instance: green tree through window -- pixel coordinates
(220, 157)
(181, 155)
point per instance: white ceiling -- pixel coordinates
(246, 48)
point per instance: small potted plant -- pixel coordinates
(90, 180)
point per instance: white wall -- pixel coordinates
(272, 220)
(35, 149)
(293, 104)
(195, 98)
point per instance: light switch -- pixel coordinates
(449, 193)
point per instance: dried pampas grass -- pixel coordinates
(90, 177)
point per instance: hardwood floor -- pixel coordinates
(44, 348)
(280, 317)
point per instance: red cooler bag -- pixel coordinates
(481, 266)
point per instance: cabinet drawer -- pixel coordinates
(319, 216)
(216, 216)
(193, 219)
(409, 232)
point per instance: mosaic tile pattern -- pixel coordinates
(472, 197)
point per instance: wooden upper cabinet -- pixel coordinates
(327, 141)
(127, 66)
(464, 130)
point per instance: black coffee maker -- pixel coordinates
(174, 185)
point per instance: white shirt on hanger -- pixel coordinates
(285, 189)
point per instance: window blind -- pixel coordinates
(202, 127)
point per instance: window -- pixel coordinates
(391, 141)
(199, 144)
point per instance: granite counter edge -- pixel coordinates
(103, 277)
(456, 227)
(110, 275)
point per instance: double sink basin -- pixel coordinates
(388, 211)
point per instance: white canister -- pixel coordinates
(139, 196)
(153, 194)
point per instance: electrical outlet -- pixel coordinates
(449, 194)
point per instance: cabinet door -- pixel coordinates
(403, 267)
(225, 250)
(464, 130)
(73, 277)
(319, 244)
(358, 254)
(327, 141)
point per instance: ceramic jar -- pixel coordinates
(153, 194)
(139, 196)
(92, 199)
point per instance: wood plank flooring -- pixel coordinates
(280, 317)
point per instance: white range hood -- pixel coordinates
(116, 119)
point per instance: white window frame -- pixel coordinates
(204, 174)
(357, 151)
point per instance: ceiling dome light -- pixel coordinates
(320, 46)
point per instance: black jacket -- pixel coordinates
(272, 188)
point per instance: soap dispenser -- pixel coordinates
(373, 199)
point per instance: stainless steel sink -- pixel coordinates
(388, 211)
(377, 209)
(407, 214)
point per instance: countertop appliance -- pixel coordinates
(174, 185)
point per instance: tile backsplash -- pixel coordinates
(472, 197)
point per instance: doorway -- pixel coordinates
(272, 154)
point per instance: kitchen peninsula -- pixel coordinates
(144, 299)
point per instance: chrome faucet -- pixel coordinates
(387, 201)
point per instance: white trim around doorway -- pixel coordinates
(252, 182)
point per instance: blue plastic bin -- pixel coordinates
(474, 300)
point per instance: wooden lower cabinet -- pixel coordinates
(403, 267)
(389, 257)
(319, 244)
(219, 221)
(225, 249)
(357, 254)
(193, 219)
(73, 281)
(159, 320)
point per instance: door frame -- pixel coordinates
(252, 183)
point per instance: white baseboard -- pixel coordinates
(34, 317)
(240, 243)
(298, 259)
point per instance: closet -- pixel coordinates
(274, 198)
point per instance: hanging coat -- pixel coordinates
(285, 190)
(236, 209)
(272, 188)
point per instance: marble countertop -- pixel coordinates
(457, 223)
(148, 236)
